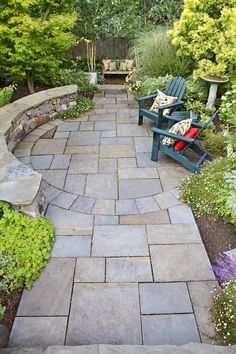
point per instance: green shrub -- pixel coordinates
(207, 193)
(215, 143)
(2, 311)
(224, 313)
(228, 108)
(196, 90)
(81, 79)
(25, 246)
(150, 85)
(6, 95)
(155, 55)
(83, 105)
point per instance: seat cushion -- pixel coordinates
(180, 128)
(113, 65)
(106, 64)
(191, 133)
(161, 100)
(129, 64)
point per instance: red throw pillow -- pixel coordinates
(191, 133)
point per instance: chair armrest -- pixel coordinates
(171, 105)
(146, 97)
(175, 119)
(172, 135)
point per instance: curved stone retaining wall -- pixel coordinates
(19, 184)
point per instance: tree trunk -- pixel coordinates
(30, 82)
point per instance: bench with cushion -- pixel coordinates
(117, 67)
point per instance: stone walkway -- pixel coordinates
(128, 265)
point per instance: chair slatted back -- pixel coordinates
(208, 122)
(176, 87)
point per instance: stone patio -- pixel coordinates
(128, 265)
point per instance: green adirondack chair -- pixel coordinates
(176, 88)
(180, 156)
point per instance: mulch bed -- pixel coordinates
(11, 302)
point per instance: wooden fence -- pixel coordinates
(112, 48)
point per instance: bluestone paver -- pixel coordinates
(170, 234)
(126, 207)
(181, 214)
(83, 205)
(88, 163)
(61, 162)
(127, 270)
(138, 188)
(75, 184)
(104, 207)
(90, 270)
(64, 200)
(49, 146)
(72, 246)
(41, 162)
(101, 186)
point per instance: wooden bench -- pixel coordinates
(116, 72)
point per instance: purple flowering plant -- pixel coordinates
(225, 268)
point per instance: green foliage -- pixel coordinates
(215, 143)
(2, 311)
(207, 193)
(206, 33)
(83, 105)
(155, 56)
(224, 313)
(25, 246)
(230, 179)
(6, 94)
(228, 108)
(34, 38)
(196, 90)
(81, 79)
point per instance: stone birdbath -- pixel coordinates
(214, 81)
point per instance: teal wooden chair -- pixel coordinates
(192, 144)
(176, 87)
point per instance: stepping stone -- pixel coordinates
(104, 207)
(138, 173)
(107, 166)
(106, 220)
(147, 205)
(49, 146)
(56, 178)
(166, 200)
(126, 207)
(72, 246)
(116, 151)
(41, 162)
(131, 130)
(183, 262)
(106, 125)
(138, 188)
(135, 269)
(64, 200)
(61, 162)
(84, 138)
(169, 329)
(68, 127)
(56, 279)
(171, 175)
(101, 186)
(119, 240)
(38, 332)
(181, 214)
(67, 222)
(127, 162)
(75, 184)
(86, 163)
(90, 270)
(171, 234)
(83, 205)
(163, 298)
(97, 307)
(158, 217)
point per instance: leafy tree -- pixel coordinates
(34, 36)
(206, 32)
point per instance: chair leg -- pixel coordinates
(155, 147)
(140, 119)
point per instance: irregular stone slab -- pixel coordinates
(84, 138)
(81, 149)
(38, 331)
(201, 296)
(96, 307)
(106, 220)
(106, 125)
(75, 184)
(119, 240)
(102, 186)
(138, 173)
(163, 298)
(143, 144)
(67, 222)
(169, 329)
(158, 217)
(41, 162)
(131, 130)
(126, 207)
(85, 163)
(90, 270)
(64, 200)
(104, 207)
(127, 162)
(181, 214)
(82, 349)
(190, 260)
(68, 127)
(117, 141)
(61, 162)
(166, 200)
(55, 178)
(49, 146)
(86, 126)
(171, 234)
(83, 205)
(135, 269)
(171, 176)
(138, 188)
(56, 278)
(72, 246)
(61, 135)
(107, 166)
(147, 205)
(116, 151)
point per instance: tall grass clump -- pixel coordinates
(155, 55)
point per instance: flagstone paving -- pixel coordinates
(128, 265)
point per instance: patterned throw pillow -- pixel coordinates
(106, 64)
(161, 100)
(180, 128)
(122, 66)
(113, 65)
(129, 64)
